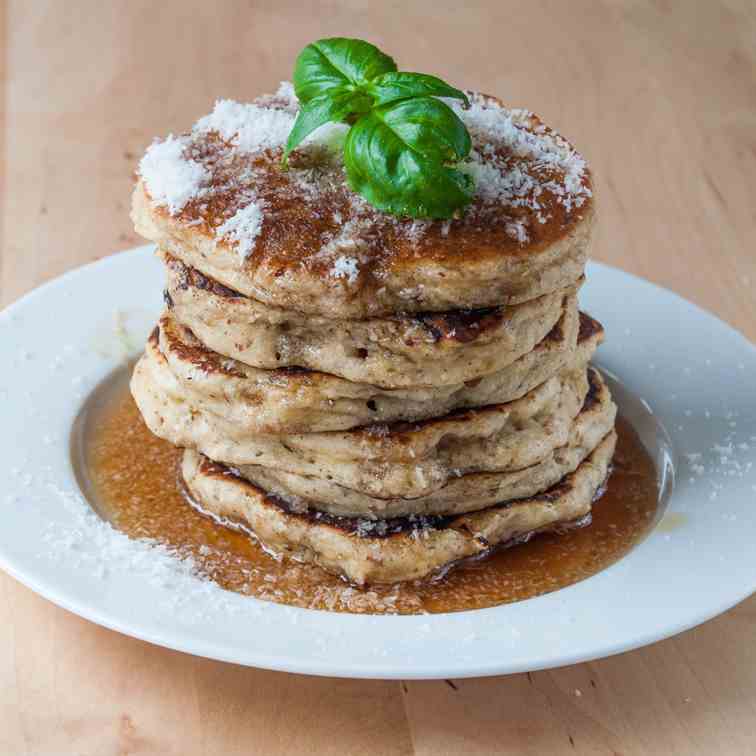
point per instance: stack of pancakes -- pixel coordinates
(379, 396)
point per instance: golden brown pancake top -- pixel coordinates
(532, 189)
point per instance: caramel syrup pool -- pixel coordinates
(131, 478)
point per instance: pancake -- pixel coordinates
(296, 400)
(300, 239)
(394, 550)
(460, 494)
(420, 349)
(401, 459)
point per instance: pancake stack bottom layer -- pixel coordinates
(381, 397)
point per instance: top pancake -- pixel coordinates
(218, 199)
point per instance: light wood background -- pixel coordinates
(660, 96)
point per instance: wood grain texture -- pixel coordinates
(662, 99)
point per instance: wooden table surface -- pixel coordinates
(661, 98)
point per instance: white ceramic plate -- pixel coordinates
(694, 374)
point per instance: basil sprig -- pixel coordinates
(403, 143)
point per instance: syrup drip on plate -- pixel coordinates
(130, 477)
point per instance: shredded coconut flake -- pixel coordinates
(286, 93)
(346, 267)
(249, 127)
(243, 228)
(171, 179)
(518, 231)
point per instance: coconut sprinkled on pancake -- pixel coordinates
(225, 178)
(249, 127)
(517, 159)
(174, 179)
(243, 227)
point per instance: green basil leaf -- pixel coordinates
(337, 63)
(398, 85)
(396, 157)
(403, 142)
(333, 106)
(427, 126)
